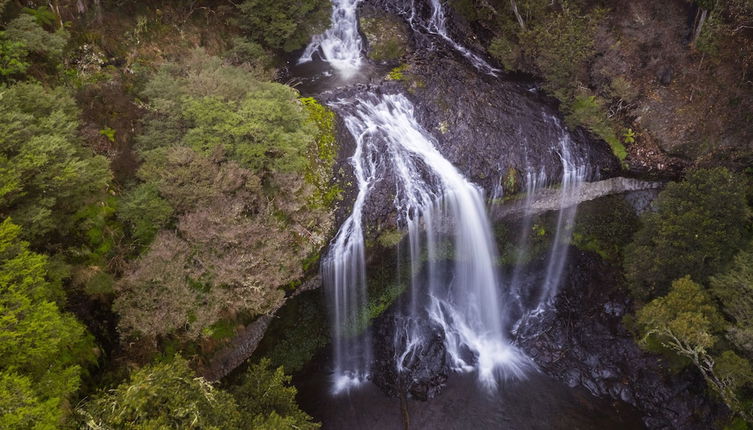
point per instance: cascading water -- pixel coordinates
(341, 44)
(440, 208)
(573, 173)
(437, 24)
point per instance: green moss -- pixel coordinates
(390, 238)
(398, 73)
(588, 111)
(223, 329)
(511, 184)
(376, 305)
(387, 37)
(297, 333)
(322, 155)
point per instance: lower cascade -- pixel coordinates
(443, 212)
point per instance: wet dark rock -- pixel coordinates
(664, 76)
(425, 371)
(582, 342)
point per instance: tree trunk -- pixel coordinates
(517, 14)
(700, 20)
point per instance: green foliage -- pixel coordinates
(145, 212)
(216, 108)
(684, 320)
(560, 46)
(604, 226)
(41, 348)
(298, 331)
(27, 30)
(699, 224)
(735, 370)
(687, 323)
(397, 73)
(506, 51)
(734, 289)
(390, 238)
(588, 111)
(387, 37)
(109, 133)
(162, 396)
(46, 176)
(629, 136)
(13, 54)
(375, 306)
(267, 399)
(283, 24)
(219, 149)
(244, 51)
(42, 15)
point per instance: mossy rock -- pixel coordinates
(387, 37)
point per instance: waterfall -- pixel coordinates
(440, 209)
(437, 24)
(341, 44)
(573, 173)
(455, 287)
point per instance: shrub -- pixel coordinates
(284, 24)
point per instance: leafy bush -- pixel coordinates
(145, 212)
(506, 51)
(13, 54)
(163, 395)
(588, 111)
(218, 149)
(267, 400)
(687, 323)
(284, 24)
(560, 46)
(170, 395)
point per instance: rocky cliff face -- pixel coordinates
(582, 341)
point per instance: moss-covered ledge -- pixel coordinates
(387, 36)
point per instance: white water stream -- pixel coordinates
(341, 44)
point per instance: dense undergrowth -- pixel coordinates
(159, 186)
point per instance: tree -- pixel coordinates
(41, 348)
(698, 225)
(27, 30)
(162, 396)
(46, 176)
(284, 24)
(145, 211)
(218, 149)
(169, 395)
(734, 289)
(266, 399)
(686, 322)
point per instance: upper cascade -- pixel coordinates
(341, 44)
(437, 24)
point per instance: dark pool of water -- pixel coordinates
(317, 76)
(537, 403)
